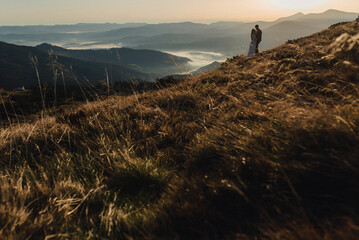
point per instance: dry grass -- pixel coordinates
(269, 148)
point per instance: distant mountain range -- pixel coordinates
(73, 28)
(228, 38)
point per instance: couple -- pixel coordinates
(256, 37)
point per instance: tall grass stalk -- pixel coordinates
(35, 64)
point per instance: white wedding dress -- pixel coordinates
(252, 46)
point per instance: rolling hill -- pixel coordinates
(16, 69)
(260, 148)
(205, 69)
(146, 61)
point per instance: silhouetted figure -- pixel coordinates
(356, 22)
(253, 44)
(259, 37)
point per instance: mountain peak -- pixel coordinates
(47, 47)
(292, 17)
(44, 45)
(298, 14)
(333, 11)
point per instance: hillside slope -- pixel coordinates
(16, 68)
(142, 60)
(264, 147)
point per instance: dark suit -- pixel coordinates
(259, 38)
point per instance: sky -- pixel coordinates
(30, 12)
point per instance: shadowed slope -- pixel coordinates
(16, 69)
(146, 61)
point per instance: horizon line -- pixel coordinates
(208, 22)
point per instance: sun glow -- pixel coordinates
(295, 4)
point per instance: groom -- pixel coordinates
(259, 37)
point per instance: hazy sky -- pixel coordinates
(21, 12)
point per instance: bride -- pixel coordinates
(253, 45)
